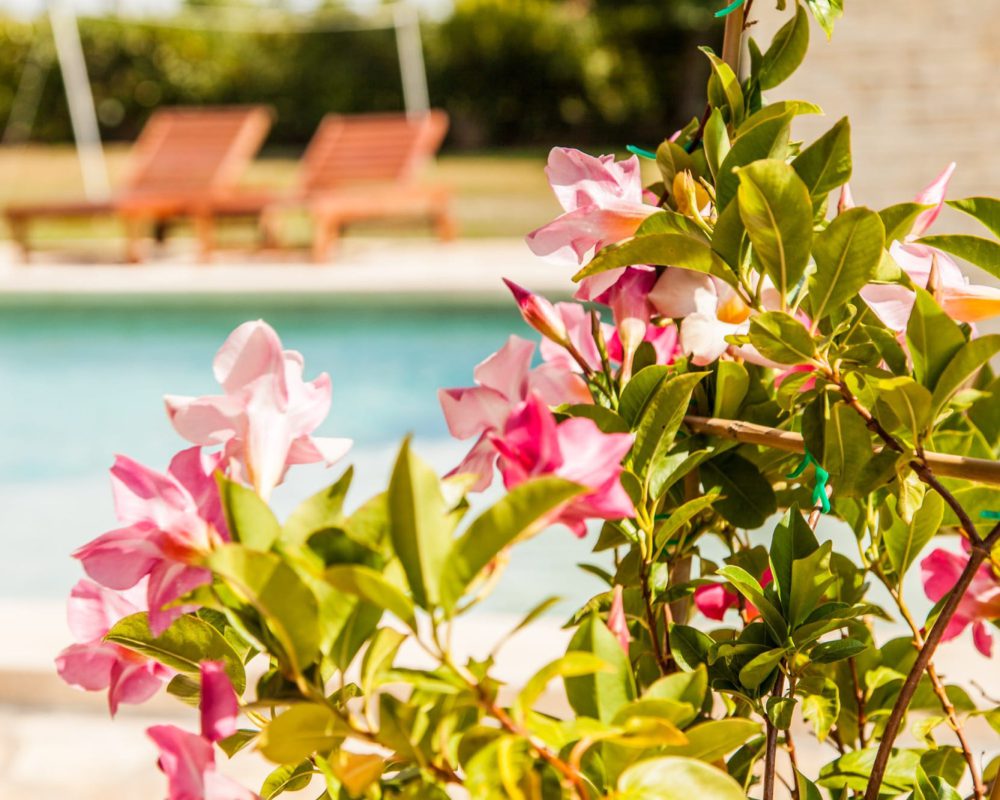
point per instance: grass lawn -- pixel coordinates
(496, 194)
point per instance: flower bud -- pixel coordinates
(846, 200)
(617, 623)
(539, 313)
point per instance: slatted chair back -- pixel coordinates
(370, 148)
(195, 151)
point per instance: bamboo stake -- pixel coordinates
(943, 464)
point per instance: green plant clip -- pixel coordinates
(638, 151)
(990, 514)
(822, 477)
(728, 9)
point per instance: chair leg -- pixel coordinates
(326, 233)
(19, 235)
(204, 225)
(270, 231)
(133, 239)
(444, 224)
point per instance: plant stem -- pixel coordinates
(979, 553)
(790, 746)
(647, 600)
(771, 750)
(859, 699)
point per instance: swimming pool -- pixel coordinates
(82, 379)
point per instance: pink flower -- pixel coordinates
(930, 269)
(219, 706)
(980, 604)
(171, 521)
(714, 600)
(188, 761)
(576, 320)
(603, 201)
(532, 445)
(539, 313)
(94, 664)
(267, 415)
(711, 310)
(503, 381)
(664, 338)
(617, 623)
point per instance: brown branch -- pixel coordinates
(793, 760)
(647, 600)
(859, 699)
(771, 749)
(979, 553)
(980, 470)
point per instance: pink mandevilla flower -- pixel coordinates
(267, 415)
(171, 521)
(94, 664)
(980, 604)
(532, 444)
(714, 600)
(617, 623)
(931, 269)
(503, 381)
(603, 201)
(187, 759)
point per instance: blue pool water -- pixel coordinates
(82, 380)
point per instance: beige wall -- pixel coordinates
(920, 80)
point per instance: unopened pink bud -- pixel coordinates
(617, 623)
(846, 200)
(539, 313)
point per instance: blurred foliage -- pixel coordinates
(496, 65)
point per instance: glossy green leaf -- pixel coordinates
(768, 139)
(658, 249)
(961, 368)
(898, 219)
(660, 419)
(600, 695)
(726, 80)
(731, 384)
(287, 778)
(572, 665)
(370, 586)
(837, 650)
(757, 670)
(777, 211)
(689, 646)
(847, 442)
(852, 771)
(183, 646)
(746, 497)
(251, 521)
(903, 542)
(781, 338)
(419, 525)
(289, 607)
(750, 588)
(671, 158)
(826, 163)
(787, 50)
(985, 209)
(847, 255)
(811, 577)
(679, 517)
(933, 338)
(300, 732)
(712, 740)
(322, 511)
(984, 253)
(909, 401)
(518, 513)
(820, 705)
(826, 12)
(676, 778)
(716, 141)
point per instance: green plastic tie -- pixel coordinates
(822, 477)
(729, 9)
(990, 514)
(640, 152)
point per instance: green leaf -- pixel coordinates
(909, 401)
(251, 522)
(419, 525)
(781, 338)
(777, 211)
(826, 163)
(660, 419)
(287, 778)
(934, 339)
(724, 77)
(768, 138)
(602, 694)
(903, 542)
(571, 665)
(847, 255)
(846, 444)
(690, 688)
(837, 650)
(747, 498)
(786, 52)
(658, 249)
(826, 12)
(820, 705)
(289, 607)
(370, 586)
(961, 367)
(300, 732)
(729, 234)
(712, 740)
(749, 587)
(731, 384)
(852, 771)
(811, 577)
(689, 646)
(322, 511)
(606, 419)
(676, 778)
(756, 671)
(985, 209)
(183, 646)
(679, 517)
(716, 141)
(932, 788)
(898, 219)
(379, 658)
(521, 511)
(671, 158)
(793, 539)
(984, 253)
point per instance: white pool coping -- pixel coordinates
(363, 266)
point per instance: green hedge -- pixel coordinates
(510, 72)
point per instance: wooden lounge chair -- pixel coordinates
(183, 156)
(357, 167)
